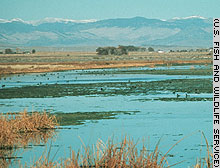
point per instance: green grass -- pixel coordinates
(109, 89)
(79, 118)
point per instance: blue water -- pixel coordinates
(81, 76)
(155, 119)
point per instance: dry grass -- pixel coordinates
(59, 61)
(20, 130)
(207, 161)
(17, 129)
(124, 154)
(121, 155)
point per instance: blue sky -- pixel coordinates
(105, 9)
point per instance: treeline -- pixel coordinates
(18, 51)
(120, 50)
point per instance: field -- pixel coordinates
(59, 61)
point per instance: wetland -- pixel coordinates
(168, 102)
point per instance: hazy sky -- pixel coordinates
(105, 9)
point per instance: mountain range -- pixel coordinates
(139, 31)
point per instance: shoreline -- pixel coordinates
(9, 69)
(51, 62)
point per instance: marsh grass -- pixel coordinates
(79, 118)
(119, 155)
(109, 155)
(17, 130)
(206, 162)
(110, 88)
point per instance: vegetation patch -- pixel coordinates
(109, 89)
(191, 71)
(177, 99)
(186, 99)
(14, 125)
(19, 129)
(79, 118)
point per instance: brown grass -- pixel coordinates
(121, 155)
(15, 128)
(207, 161)
(20, 130)
(59, 61)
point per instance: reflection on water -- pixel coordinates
(9, 156)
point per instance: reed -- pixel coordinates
(124, 154)
(14, 127)
(118, 155)
(206, 162)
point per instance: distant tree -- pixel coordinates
(33, 51)
(150, 49)
(111, 50)
(183, 50)
(102, 51)
(132, 48)
(8, 51)
(142, 49)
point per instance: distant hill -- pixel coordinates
(140, 31)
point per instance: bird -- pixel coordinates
(177, 96)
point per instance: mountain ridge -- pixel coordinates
(188, 31)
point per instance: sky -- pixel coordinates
(106, 9)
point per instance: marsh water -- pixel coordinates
(142, 117)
